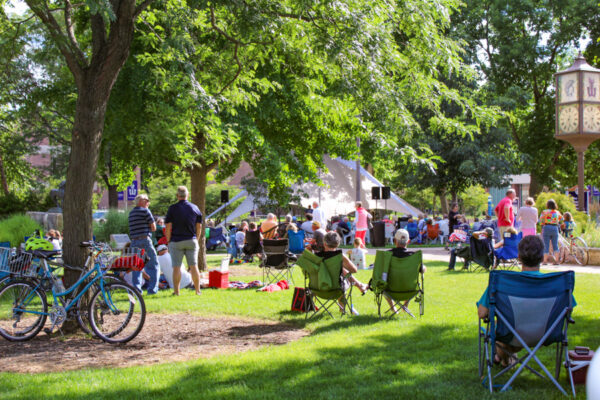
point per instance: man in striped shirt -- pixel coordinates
(141, 226)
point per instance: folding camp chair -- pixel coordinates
(433, 233)
(399, 279)
(324, 284)
(526, 311)
(275, 261)
(232, 248)
(507, 257)
(252, 245)
(482, 254)
(215, 238)
(296, 241)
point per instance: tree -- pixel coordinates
(474, 200)
(280, 83)
(93, 38)
(517, 46)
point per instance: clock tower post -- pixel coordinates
(578, 112)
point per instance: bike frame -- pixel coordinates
(59, 296)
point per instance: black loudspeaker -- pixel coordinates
(224, 196)
(385, 192)
(375, 193)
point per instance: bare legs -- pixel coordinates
(177, 279)
(195, 277)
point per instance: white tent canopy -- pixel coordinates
(337, 196)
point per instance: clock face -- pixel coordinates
(568, 119)
(591, 118)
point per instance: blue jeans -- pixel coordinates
(151, 267)
(550, 233)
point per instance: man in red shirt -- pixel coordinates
(504, 212)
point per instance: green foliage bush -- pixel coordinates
(14, 228)
(31, 201)
(116, 222)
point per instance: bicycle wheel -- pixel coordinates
(23, 311)
(579, 250)
(117, 314)
(83, 304)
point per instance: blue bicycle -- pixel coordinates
(116, 311)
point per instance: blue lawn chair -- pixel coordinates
(296, 241)
(412, 229)
(216, 238)
(528, 311)
(232, 248)
(507, 257)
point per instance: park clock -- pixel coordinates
(568, 119)
(591, 118)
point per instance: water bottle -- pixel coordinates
(59, 287)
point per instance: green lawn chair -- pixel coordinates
(400, 279)
(323, 283)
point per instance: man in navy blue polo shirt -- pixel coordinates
(141, 226)
(183, 227)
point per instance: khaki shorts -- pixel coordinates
(188, 248)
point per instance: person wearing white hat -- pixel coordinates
(166, 266)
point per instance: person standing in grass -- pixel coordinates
(184, 224)
(551, 219)
(504, 212)
(362, 221)
(528, 215)
(141, 226)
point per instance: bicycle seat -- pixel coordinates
(86, 244)
(45, 253)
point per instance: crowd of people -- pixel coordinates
(167, 241)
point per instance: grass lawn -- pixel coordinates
(361, 357)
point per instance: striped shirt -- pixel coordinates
(140, 219)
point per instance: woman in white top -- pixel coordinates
(528, 215)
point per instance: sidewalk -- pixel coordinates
(440, 254)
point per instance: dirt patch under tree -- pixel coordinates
(164, 338)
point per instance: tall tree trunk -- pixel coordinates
(113, 197)
(444, 202)
(113, 194)
(535, 186)
(198, 191)
(81, 175)
(3, 177)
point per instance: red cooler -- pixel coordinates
(578, 356)
(218, 279)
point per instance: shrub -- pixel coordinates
(31, 201)
(14, 228)
(592, 235)
(116, 222)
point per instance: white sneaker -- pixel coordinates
(354, 311)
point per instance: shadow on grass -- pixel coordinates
(426, 362)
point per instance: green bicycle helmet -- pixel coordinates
(37, 242)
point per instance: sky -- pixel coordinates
(16, 6)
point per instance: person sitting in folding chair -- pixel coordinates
(525, 310)
(252, 243)
(275, 262)
(398, 276)
(506, 251)
(329, 277)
